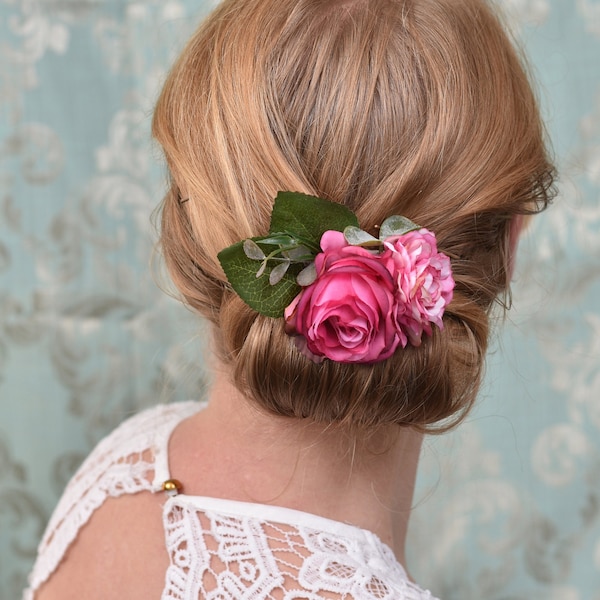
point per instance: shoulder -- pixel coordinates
(118, 553)
(129, 461)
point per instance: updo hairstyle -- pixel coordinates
(414, 107)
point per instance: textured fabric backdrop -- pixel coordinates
(508, 507)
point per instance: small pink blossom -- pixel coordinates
(423, 277)
(349, 313)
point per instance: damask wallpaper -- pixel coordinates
(508, 506)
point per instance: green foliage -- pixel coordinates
(263, 270)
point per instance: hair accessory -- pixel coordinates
(345, 295)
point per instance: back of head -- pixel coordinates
(413, 107)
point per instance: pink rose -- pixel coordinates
(424, 281)
(349, 313)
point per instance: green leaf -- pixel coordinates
(396, 225)
(297, 223)
(308, 217)
(278, 239)
(357, 237)
(259, 294)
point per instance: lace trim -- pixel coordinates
(240, 557)
(122, 463)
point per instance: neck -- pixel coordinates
(305, 466)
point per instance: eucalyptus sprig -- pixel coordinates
(269, 272)
(288, 251)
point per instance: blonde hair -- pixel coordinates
(412, 107)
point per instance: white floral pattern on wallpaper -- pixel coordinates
(508, 506)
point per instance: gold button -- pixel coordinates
(172, 486)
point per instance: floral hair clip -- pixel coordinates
(345, 295)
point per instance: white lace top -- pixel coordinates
(222, 549)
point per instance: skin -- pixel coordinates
(232, 450)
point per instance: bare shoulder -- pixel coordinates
(119, 553)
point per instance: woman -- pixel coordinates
(335, 349)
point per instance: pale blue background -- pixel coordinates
(508, 506)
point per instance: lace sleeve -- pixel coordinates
(125, 462)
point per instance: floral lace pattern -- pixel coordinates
(222, 549)
(219, 554)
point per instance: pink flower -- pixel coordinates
(424, 281)
(349, 313)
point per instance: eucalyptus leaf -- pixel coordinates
(262, 269)
(357, 237)
(396, 225)
(307, 276)
(252, 250)
(299, 254)
(278, 272)
(308, 217)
